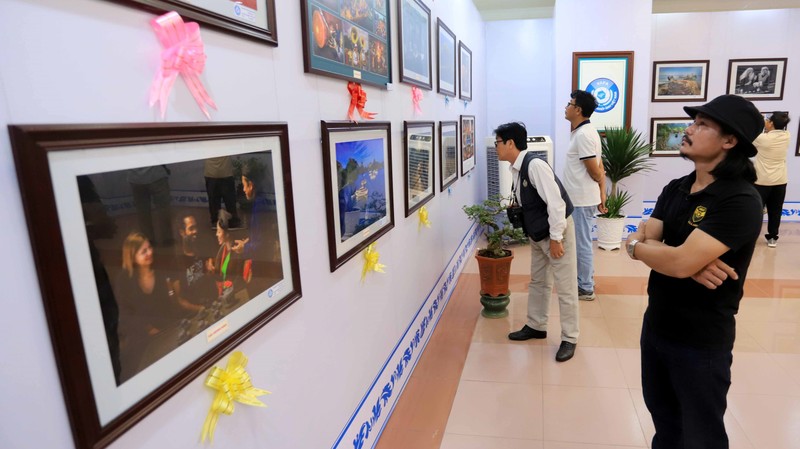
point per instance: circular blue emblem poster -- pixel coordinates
(606, 92)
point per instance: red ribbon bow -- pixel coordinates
(183, 54)
(358, 99)
(416, 97)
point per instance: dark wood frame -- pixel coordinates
(654, 153)
(221, 22)
(427, 85)
(683, 98)
(731, 86)
(461, 144)
(578, 56)
(341, 70)
(337, 260)
(31, 146)
(797, 137)
(441, 156)
(441, 27)
(431, 166)
(462, 48)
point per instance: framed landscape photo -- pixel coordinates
(415, 43)
(255, 19)
(468, 156)
(757, 79)
(446, 65)
(141, 296)
(357, 163)
(609, 77)
(448, 154)
(680, 81)
(419, 161)
(666, 134)
(347, 39)
(464, 72)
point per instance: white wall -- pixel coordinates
(88, 61)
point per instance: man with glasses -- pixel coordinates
(547, 221)
(698, 243)
(584, 179)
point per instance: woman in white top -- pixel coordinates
(770, 165)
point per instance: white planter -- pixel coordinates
(609, 233)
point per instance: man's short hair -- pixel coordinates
(780, 119)
(514, 131)
(585, 101)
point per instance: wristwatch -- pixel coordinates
(630, 247)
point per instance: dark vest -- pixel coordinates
(534, 209)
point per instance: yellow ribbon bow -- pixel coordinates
(423, 218)
(371, 263)
(232, 385)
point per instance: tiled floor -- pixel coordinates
(475, 389)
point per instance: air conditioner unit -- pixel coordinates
(498, 175)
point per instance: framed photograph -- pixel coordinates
(609, 77)
(467, 143)
(797, 147)
(757, 79)
(448, 154)
(464, 72)
(357, 162)
(415, 43)
(141, 295)
(347, 39)
(666, 134)
(446, 65)
(680, 81)
(419, 162)
(255, 19)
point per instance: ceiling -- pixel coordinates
(537, 9)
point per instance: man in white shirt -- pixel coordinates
(584, 179)
(770, 166)
(546, 211)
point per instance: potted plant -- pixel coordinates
(625, 152)
(494, 261)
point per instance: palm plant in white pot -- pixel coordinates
(625, 152)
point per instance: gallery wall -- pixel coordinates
(91, 61)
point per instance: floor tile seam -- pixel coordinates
(595, 444)
(774, 395)
(538, 384)
(738, 419)
(493, 436)
(587, 387)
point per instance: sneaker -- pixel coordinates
(526, 333)
(565, 351)
(772, 243)
(584, 295)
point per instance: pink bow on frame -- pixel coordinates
(183, 54)
(416, 97)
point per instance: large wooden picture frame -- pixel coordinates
(108, 208)
(680, 81)
(255, 19)
(419, 162)
(464, 72)
(757, 79)
(414, 31)
(357, 169)
(448, 153)
(468, 155)
(609, 77)
(666, 134)
(446, 61)
(344, 41)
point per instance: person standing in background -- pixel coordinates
(770, 165)
(221, 186)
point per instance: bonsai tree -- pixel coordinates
(625, 152)
(490, 216)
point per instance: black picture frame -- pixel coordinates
(683, 81)
(340, 42)
(239, 18)
(69, 177)
(363, 187)
(759, 79)
(414, 38)
(419, 160)
(464, 72)
(448, 154)
(446, 59)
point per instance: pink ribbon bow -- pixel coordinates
(182, 55)
(416, 97)
(358, 100)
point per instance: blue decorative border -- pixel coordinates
(402, 362)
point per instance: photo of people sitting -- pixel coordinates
(163, 277)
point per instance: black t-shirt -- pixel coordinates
(681, 309)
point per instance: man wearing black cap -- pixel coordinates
(699, 242)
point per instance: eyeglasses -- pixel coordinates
(498, 142)
(571, 104)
